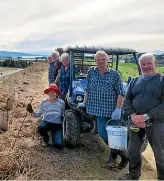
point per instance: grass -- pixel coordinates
(128, 69)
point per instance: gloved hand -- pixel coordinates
(81, 105)
(29, 108)
(116, 114)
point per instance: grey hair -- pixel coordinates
(147, 55)
(56, 53)
(101, 52)
(65, 55)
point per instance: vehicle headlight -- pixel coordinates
(79, 98)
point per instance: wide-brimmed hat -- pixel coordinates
(52, 88)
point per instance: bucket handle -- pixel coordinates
(121, 122)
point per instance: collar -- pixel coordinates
(108, 70)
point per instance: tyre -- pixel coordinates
(71, 128)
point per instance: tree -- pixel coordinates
(60, 50)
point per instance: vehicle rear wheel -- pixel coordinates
(71, 129)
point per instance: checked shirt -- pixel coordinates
(102, 91)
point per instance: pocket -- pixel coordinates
(93, 83)
(108, 85)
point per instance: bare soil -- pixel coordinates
(28, 159)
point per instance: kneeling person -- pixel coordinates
(52, 110)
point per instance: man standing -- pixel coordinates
(63, 78)
(104, 99)
(144, 104)
(54, 67)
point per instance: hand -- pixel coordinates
(116, 114)
(141, 125)
(138, 119)
(81, 105)
(132, 115)
(29, 108)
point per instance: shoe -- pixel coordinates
(124, 162)
(45, 144)
(128, 177)
(111, 165)
(59, 147)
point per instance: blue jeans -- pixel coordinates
(56, 130)
(101, 126)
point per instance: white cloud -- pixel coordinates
(39, 25)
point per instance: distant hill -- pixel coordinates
(158, 52)
(15, 54)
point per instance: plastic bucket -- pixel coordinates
(117, 137)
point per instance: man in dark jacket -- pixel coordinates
(54, 67)
(144, 103)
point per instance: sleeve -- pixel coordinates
(59, 65)
(63, 109)
(40, 111)
(159, 109)
(88, 79)
(119, 85)
(128, 100)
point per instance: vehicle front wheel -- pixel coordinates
(71, 129)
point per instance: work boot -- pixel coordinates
(128, 177)
(112, 159)
(124, 159)
(58, 146)
(111, 164)
(45, 144)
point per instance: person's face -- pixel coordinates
(148, 66)
(52, 95)
(54, 57)
(49, 59)
(65, 62)
(101, 60)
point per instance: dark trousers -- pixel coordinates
(155, 135)
(56, 130)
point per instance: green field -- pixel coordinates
(130, 69)
(127, 69)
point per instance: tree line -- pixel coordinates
(15, 63)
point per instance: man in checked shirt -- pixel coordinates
(104, 99)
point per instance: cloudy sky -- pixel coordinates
(42, 25)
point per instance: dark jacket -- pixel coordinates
(57, 67)
(146, 97)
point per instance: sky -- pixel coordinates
(40, 26)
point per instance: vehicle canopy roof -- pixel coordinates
(94, 49)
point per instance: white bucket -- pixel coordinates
(117, 137)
